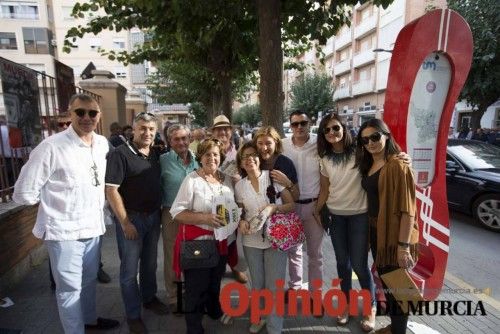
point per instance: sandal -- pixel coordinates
(226, 320)
(343, 319)
(255, 328)
(368, 322)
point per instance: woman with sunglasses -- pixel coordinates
(200, 191)
(266, 264)
(389, 184)
(340, 189)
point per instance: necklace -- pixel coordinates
(215, 187)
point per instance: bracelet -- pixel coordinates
(403, 244)
(290, 187)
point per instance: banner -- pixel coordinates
(21, 100)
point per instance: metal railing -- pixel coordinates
(49, 107)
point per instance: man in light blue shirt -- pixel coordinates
(175, 165)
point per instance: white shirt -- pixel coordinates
(197, 195)
(306, 162)
(345, 195)
(253, 202)
(59, 176)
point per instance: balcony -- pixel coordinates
(343, 39)
(363, 57)
(362, 87)
(365, 27)
(342, 67)
(341, 92)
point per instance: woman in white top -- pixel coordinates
(266, 264)
(192, 208)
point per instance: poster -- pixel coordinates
(21, 100)
(65, 84)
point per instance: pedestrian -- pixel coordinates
(222, 130)
(133, 192)
(175, 166)
(192, 208)
(65, 173)
(198, 135)
(266, 264)
(390, 186)
(340, 189)
(302, 151)
(116, 138)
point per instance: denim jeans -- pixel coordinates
(266, 266)
(350, 241)
(74, 267)
(143, 250)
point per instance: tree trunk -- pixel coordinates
(270, 63)
(475, 121)
(216, 106)
(226, 95)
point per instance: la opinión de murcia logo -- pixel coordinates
(316, 301)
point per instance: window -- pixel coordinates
(8, 41)
(119, 43)
(95, 43)
(24, 11)
(120, 72)
(36, 40)
(36, 67)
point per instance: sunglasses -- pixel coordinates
(80, 112)
(334, 128)
(142, 114)
(62, 124)
(374, 137)
(249, 155)
(301, 123)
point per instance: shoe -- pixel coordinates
(136, 326)
(343, 319)
(368, 322)
(226, 320)
(385, 330)
(157, 306)
(239, 276)
(103, 324)
(102, 276)
(255, 328)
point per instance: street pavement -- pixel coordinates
(35, 309)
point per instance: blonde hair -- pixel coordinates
(271, 132)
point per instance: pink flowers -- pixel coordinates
(285, 231)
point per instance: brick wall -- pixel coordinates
(19, 249)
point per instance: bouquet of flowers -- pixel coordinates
(285, 231)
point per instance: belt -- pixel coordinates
(306, 201)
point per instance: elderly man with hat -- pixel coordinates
(222, 130)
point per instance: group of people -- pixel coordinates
(491, 136)
(73, 173)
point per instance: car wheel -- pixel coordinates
(486, 210)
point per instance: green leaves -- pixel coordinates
(312, 93)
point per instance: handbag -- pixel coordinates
(403, 288)
(283, 230)
(198, 254)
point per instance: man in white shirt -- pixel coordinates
(301, 149)
(65, 174)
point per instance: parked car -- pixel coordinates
(473, 180)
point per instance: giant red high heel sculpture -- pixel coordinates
(429, 66)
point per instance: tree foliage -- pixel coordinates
(482, 87)
(199, 113)
(248, 114)
(312, 93)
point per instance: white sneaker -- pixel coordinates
(255, 328)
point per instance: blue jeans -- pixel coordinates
(74, 267)
(350, 242)
(145, 250)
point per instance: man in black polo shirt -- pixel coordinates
(133, 191)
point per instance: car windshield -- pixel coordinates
(477, 155)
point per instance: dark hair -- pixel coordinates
(239, 156)
(206, 145)
(297, 113)
(81, 97)
(364, 159)
(324, 147)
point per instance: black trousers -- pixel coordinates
(399, 320)
(202, 294)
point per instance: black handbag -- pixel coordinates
(199, 254)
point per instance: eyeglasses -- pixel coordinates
(335, 128)
(62, 124)
(95, 176)
(80, 112)
(301, 123)
(142, 114)
(374, 137)
(249, 155)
